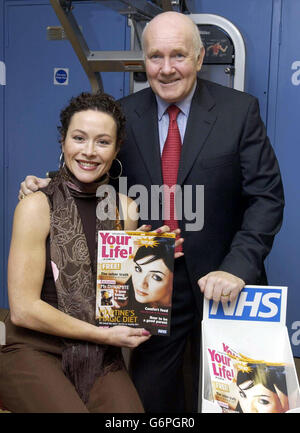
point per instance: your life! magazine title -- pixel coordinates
(135, 279)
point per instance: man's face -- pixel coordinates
(170, 59)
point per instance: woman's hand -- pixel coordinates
(124, 336)
(165, 229)
(179, 241)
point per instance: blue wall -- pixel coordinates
(30, 103)
(284, 260)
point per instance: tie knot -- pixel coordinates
(173, 112)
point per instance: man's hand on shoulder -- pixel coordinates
(32, 184)
(221, 286)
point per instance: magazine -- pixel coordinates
(135, 279)
(247, 362)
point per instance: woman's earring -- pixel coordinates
(121, 170)
(61, 160)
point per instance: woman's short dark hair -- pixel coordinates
(268, 375)
(99, 102)
(163, 250)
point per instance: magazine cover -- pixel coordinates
(135, 279)
(247, 362)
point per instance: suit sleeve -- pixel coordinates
(262, 198)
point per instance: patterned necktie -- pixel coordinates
(170, 164)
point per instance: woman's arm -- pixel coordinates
(26, 268)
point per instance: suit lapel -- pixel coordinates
(145, 130)
(199, 125)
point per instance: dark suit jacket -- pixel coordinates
(225, 149)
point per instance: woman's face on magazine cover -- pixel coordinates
(152, 282)
(259, 399)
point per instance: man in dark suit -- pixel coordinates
(225, 149)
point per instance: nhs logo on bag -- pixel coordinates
(254, 303)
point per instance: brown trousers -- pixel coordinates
(32, 380)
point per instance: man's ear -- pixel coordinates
(200, 59)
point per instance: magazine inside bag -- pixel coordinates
(248, 365)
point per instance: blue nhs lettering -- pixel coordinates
(252, 305)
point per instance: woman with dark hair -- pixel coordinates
(56, 359)
(152, 274)
(262, 388)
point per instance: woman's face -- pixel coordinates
(90, 145)
(152, 281)
(259, 399)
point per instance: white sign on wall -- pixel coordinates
(61, 76)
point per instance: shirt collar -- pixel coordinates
(184, 105)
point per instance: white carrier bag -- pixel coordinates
(247, 361)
